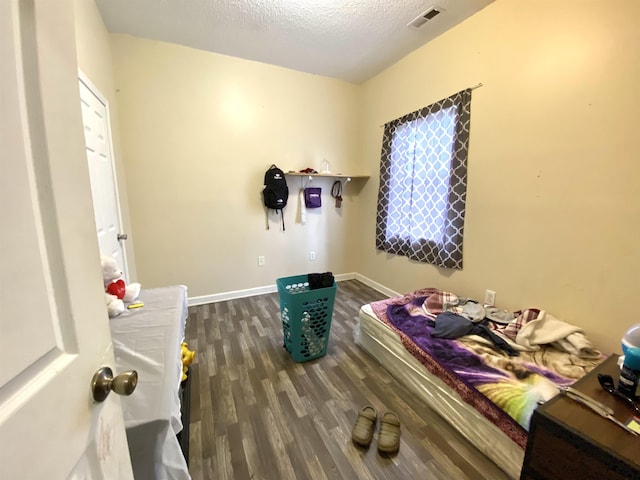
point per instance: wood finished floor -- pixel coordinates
(256, 414)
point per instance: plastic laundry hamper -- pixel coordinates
(306, 317)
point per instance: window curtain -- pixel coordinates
(423, 183)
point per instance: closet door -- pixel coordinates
(99, 150)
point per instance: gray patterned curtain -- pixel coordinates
(423, 183)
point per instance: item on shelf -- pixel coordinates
(308, 170)
(325, 168)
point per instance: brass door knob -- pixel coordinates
(103, 383)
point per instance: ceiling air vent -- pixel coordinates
(424, 17)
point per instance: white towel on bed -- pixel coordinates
(577, 344)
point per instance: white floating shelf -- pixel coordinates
(330, 175)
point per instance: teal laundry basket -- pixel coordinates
(306, 317)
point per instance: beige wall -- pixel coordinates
(553, 205)
(94, 60)
(198, 132)
(552, 210)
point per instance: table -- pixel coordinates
(569, 441)
(148, 340)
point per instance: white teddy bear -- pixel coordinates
(115, 306)
(117, 292)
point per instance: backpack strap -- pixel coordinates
(281, 213)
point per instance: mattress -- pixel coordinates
(383, 344)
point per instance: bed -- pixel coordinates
(449, 374)
(148, 340)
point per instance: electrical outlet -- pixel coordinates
(261, 261)
(489, 298)
(312, 255)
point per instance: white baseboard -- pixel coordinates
(250, 292)
(376, 286)
(221, 297)
(345, 276)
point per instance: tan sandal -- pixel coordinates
(389, 436)
(362, 433)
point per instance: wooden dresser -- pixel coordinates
(568, 441)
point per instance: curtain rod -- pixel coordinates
(470, 88)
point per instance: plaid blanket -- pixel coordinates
(506, 390)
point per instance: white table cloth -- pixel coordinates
(148, 340)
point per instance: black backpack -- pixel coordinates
(275, 192)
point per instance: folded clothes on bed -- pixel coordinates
(440, 302)
(533, 328)
(523, 330)
(498, 315)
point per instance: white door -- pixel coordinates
(54, 330)
(95, 120)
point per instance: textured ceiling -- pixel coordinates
(351, 40)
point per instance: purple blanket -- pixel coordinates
(505, 389)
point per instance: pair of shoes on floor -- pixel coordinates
(388, 436)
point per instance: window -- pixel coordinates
(423, 170)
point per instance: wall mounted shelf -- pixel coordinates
(307, 178)
(329, 175)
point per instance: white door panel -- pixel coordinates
(95, 119)
(54, 330)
